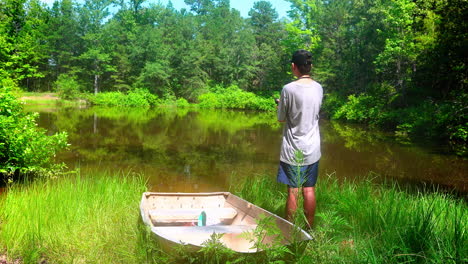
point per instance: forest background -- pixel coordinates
(396, 64)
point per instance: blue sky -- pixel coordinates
(243, 6)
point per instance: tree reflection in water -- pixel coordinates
(188, 149)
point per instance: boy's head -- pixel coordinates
(303, 61)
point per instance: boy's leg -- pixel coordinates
(309, 204)
(291, 203)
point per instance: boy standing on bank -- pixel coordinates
(299, 107)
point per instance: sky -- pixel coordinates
(244, 6)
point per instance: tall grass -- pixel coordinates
(368, 223)
(96, 220)
(73, 220)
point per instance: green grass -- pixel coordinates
(368, 223)
(73, 220)
(96, 220)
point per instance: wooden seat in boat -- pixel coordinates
(192, 214)
(219, 229)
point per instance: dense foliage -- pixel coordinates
(143, 45)
(67, 87)
(24, 148)
(137, 97)
(400, 64)
(235, 98)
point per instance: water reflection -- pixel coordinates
(207, 150)
(353, 151)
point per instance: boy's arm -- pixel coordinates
(281, 108)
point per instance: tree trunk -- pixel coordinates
(401, 81)
(96, 88)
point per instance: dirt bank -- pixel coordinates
(45, 96)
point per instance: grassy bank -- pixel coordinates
(96, 220)
(73, 220)
(231, 97)
(368, 223)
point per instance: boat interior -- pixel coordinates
(194, 218)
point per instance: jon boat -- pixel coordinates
(179, 219)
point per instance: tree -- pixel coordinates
(269, 54)
(217, 38)
(22, 48)
(397, 60)
(440, 32)
(263, 18)
(96, 57)
(343, 37)
(64, 38)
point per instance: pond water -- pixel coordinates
(191, 150)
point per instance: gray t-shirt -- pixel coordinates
(299, 107)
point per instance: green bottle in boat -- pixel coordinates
(202, 219)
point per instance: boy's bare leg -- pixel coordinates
(309, 204)
(291, 203)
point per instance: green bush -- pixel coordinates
(67, 87)
(139, 97)
(182, 102)
(442, 120)
(134, 98)
(234, 98)
(332, 102)
(107, 98)
(361, 108)
(24, 148)
(452, 117)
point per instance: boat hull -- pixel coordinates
(230, 220)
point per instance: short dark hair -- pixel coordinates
(303, 60)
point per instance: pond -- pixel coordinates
(193, 150)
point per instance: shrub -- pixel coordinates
(332, 102)
(138, 97)
(24, 148)
(67, 87)
(235, 98)
(452, 118)
(182, 102)
(431, 119)
(361, 108)
(107, 98)
(134, 98)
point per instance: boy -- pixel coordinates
(299, 107)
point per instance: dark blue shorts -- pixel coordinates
(298, 176)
